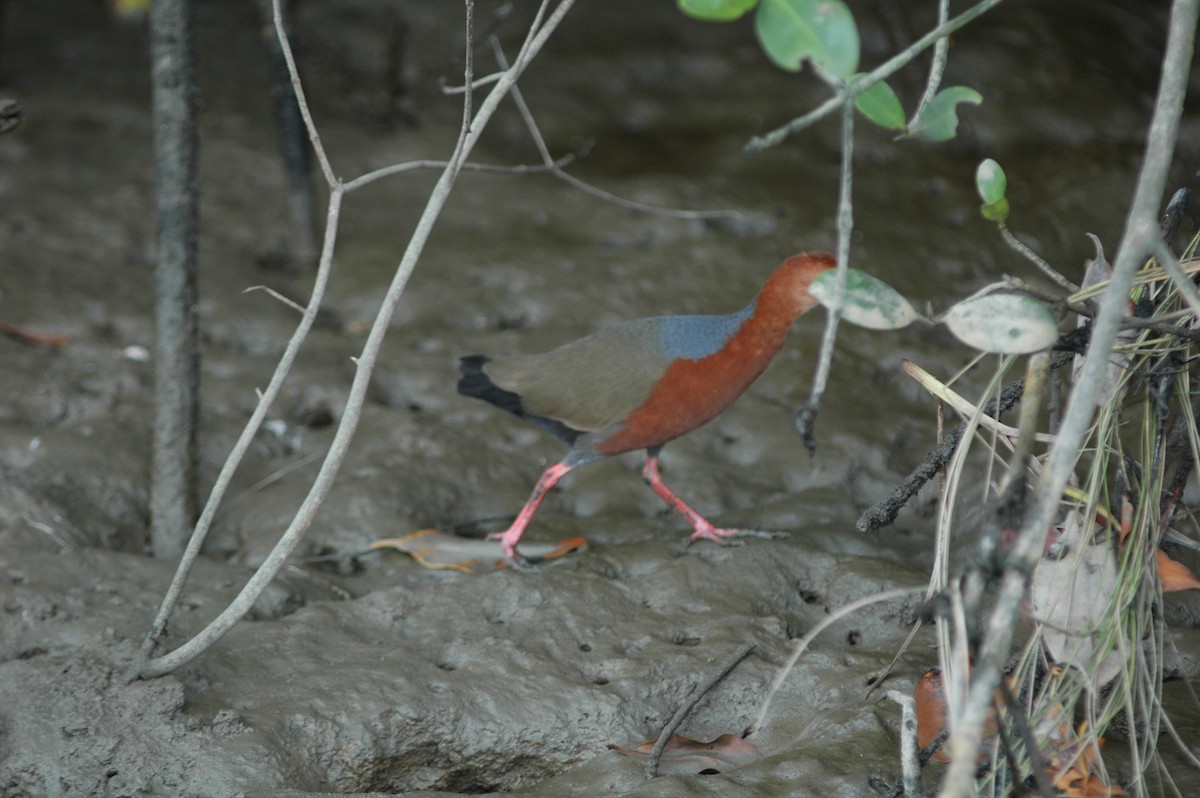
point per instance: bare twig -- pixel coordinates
(807, 416)
(1170, 264)
(271, 292)
(554, 167)
(1036, 259)
(803, 643)
(884, 512)
(688, 705)
(468, 166)
(961, 405)
(473, 127)
(141, 668)
(910, 750)
(937, 66)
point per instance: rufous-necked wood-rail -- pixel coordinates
(643, 383)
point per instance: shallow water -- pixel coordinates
(370, 673)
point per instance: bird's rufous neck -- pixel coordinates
(785, 296)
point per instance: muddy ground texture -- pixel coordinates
(365, 672)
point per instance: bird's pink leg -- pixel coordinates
(509, 537)
(704, 528)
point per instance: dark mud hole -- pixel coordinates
(373, 674)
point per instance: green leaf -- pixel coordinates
(990, 181)
(939, 122)
(823, 31)
(881, 105)
(869, 302)
(995, 211)
(1009, 324)
(716, 10)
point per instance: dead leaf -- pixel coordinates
(1070, 762)
(932, 711)
(32, 337)
(1174, 575)
(1071, 590)
(433, 548)
(1099, 270)
(684, 756)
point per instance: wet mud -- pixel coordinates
(363, 672)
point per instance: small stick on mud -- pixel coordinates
(910, 751)
(742, 652)
(885, 511)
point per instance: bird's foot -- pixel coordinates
(515, 558)
(520, 562)
(730, 537)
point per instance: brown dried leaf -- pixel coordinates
(32, 337)
(1070, 761)
(932, 711)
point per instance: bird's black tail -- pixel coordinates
(475, 383)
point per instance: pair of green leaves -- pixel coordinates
(824, 32)
(791, 31)
(1001, 323)
(992, 185)
(937, 122)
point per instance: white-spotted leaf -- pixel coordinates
(869, 302)
(1008, 324)
(822, 31)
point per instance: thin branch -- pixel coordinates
(937, 66)
(885, 511)
(865, 82)
(468, 166)
(944, 393)
(806, 418)
(1170, 264)
(1019, 246)
(301, 100)
(271, 292)
(688, 705)
(803, 643)
(910, 750)
(554, 168)
(141, 668)
(969, 718)
(468, 136)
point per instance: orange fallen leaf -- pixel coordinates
(1174, 575)
(1080, 757)
(1086, 786)
(433, 548)
(932, 711)
(32, 337)
(684, 756)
